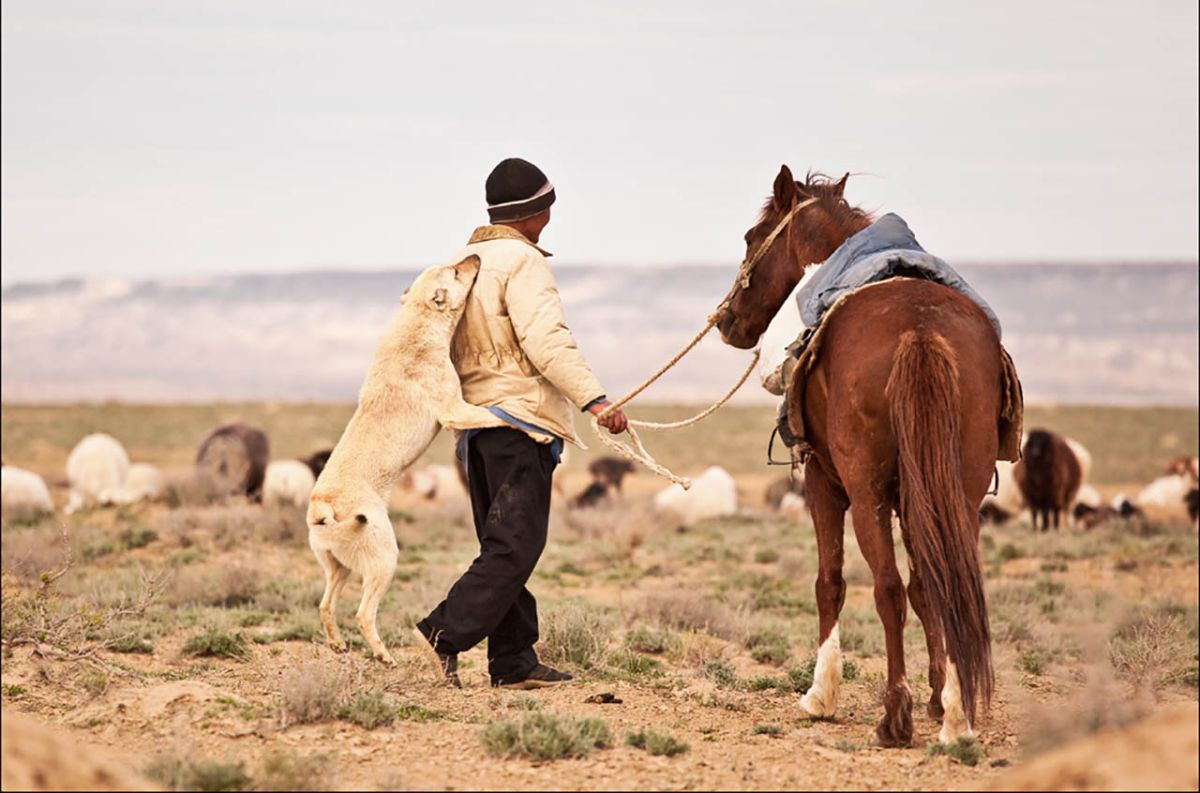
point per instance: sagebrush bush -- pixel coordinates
(683, 611)
(545, 736)
(656, 743)
(287, 770)
(314, 691)
(178, 772)
(217, 643)
(576, 634)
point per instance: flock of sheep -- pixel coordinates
(233, 460)
(1048, 486)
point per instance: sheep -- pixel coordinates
(23, 495)
(287, 482)
(316, 461)
(610, 471)
(1188, 467)
(96, 470)
(712, 494)
(793, 505)
(1164, 492)
(1049, 476)
(143, 482)
(234, 459)
(410, 391)
(594, 494)
(781, 487)
(1007, 501)
(434, 482)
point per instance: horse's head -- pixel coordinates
(812, 234)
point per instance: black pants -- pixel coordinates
(509, 478)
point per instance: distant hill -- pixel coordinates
(1102, 333)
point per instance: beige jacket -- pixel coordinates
(513, 349)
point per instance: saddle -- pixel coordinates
(803, 354)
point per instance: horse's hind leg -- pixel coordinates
(336, 574)
(935, 642)
(827, 503)
(872, 514)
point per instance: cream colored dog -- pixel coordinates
(410, 390)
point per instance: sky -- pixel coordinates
(152, 139)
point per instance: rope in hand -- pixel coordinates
(636, 451)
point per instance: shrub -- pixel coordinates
(369, 711)
(216, 643)
(314, 691)
(774, 730)
(681, 611)
(766, 555)
(1151, 649)
(650, 640)
(179, 773)
(632, 665)
(287, 770)
(768, 647)
(1035, 659)
(545, 736)
(576, 634)
(656, 743)
(965, 750)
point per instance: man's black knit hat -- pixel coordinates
(517, 189)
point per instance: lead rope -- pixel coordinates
(636, 451)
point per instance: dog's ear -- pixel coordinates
(467, 268)
(362, 519)
(440, 298)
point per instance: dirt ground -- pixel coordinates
(701, 632)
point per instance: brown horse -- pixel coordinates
(901, 411)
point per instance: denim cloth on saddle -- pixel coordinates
(885, 249)
(464, 437)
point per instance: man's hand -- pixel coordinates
(614, 422)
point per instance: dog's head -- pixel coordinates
(444, 288)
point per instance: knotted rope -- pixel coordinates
(636, 451)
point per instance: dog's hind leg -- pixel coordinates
(375, 585)
(336, 575)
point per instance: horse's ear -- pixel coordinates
(841, 184)
(785, 188)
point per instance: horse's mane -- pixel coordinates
(828, 190)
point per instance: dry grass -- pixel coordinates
(575, 634)
(686, 612)
(545, 736)
(315, 691)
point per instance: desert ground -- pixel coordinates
(180, 639)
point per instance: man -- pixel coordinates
(515, 356)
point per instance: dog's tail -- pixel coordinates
(321, 513)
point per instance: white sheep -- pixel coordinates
(1166, 493)
(143, 482)
(288, 482)
(23, 495)
(433, 482)
(96, 470)
(712, 494)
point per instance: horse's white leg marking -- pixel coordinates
(954, 723)
(821, 699)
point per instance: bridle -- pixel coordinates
(746, 270)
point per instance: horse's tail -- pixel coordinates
(924, 396)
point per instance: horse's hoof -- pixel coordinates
(816, 708)
(386, 658)
(935, 709)
(338, 647)
(892, 736)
